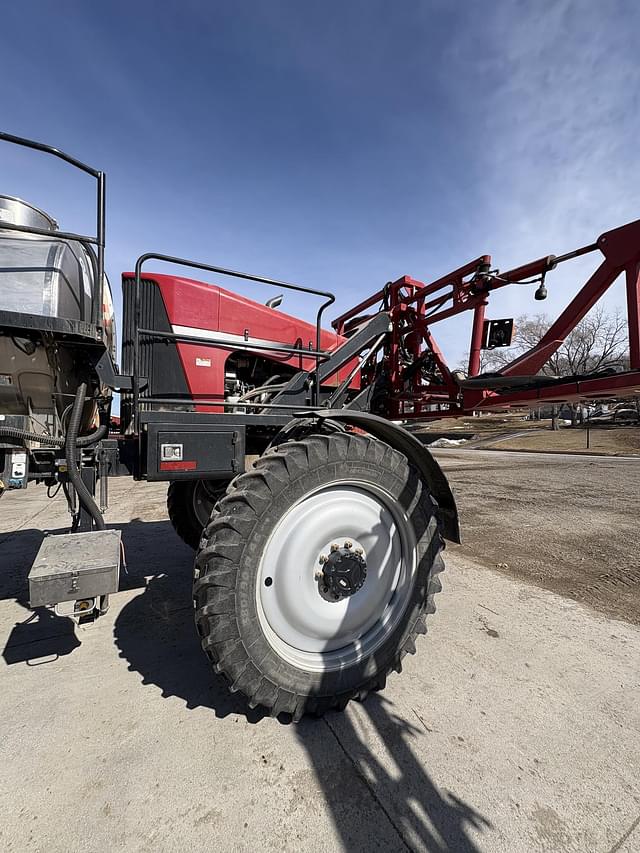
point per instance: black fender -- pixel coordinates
(400, 439)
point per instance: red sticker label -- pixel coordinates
(178, 466)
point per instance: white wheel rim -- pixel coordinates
(303, 626)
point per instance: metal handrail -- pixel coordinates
(318, 355)
(99, 240)
(242, 404)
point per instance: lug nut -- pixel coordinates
(318, 575)
(322, 559)
(348, 544)
(335, 547)
(359, 551)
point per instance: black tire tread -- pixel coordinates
(221, 546)
(180, 510)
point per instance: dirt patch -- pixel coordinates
(616, 441)
(505, 422)
(600, 438)
(569, 526)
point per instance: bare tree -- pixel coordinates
(598, 342)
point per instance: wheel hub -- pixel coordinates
(343, 572)
(312, 619)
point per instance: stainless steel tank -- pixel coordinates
(40, 274)
(43, 276)
(17, 212)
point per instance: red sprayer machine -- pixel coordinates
(317, 518)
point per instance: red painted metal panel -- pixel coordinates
(208, 308)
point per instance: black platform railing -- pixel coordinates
(317, 355)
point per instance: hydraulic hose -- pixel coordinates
(71, 445)
(24, 435)
(263, 389)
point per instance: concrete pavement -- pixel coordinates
(516, 727)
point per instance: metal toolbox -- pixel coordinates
(184, 451)
(75, 566)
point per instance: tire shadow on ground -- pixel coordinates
(155, 632)
(149, 548)
(371, 805)
(19, 549)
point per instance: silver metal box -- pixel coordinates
(74, 566)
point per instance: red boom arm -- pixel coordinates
(421, 384)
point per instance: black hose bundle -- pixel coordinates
(71, 445)
(24, 435)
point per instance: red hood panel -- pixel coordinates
(208, 306)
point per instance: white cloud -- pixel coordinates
(551, 93)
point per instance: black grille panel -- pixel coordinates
(159, 361)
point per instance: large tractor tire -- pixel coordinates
(316, 571)
(190, 504)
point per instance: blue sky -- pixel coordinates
(336, 144)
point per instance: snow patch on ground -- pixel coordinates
(448, 442)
